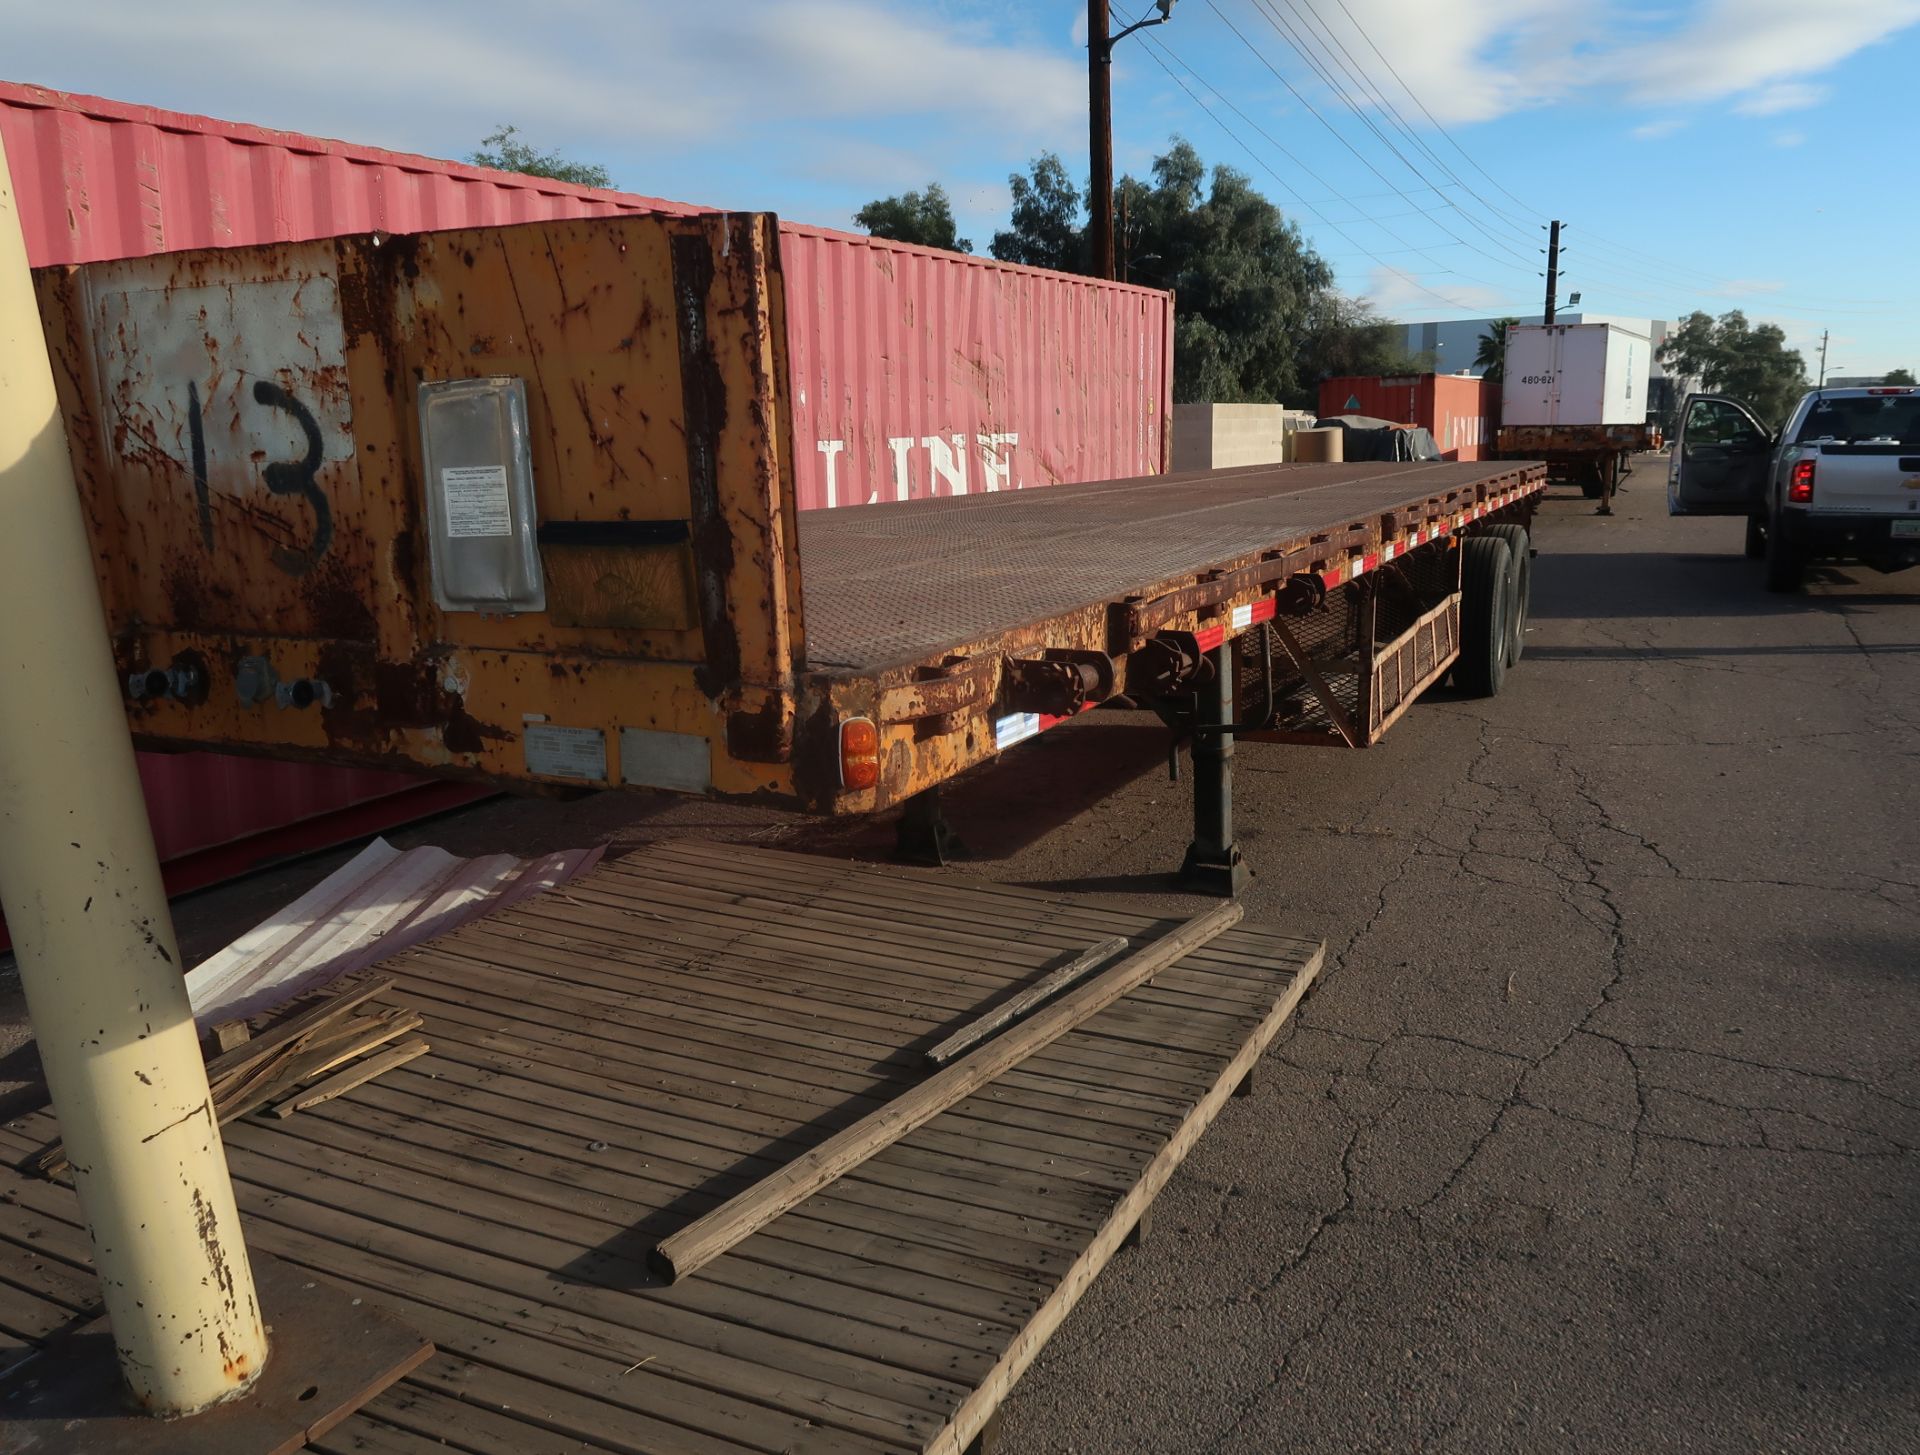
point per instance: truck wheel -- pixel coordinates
(1786, 562)
(1521, 603)
(1592, 479)
(1756, 537)
(1486, 589)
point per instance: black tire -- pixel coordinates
(1592, 480)
(1520, 605)
(1486, 588)
(1786, 562)
(1756, 537)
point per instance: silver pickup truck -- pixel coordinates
(1841, 481)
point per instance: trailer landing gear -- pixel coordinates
(1213, 863)
(923, 835)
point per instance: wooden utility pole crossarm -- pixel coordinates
(705, 1239)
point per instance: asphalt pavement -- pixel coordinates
(1600, 1132)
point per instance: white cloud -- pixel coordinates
(1399, 294)
(1654, 130)
(1476, 62)
(1789, 138)
(572, 74)
(1731, 46)
(1781, 96)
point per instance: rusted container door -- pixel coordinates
(247, 438)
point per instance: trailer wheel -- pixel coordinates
(1593, 478)
(1520, 605)
(1486, 591)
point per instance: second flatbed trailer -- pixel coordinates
(518, 505)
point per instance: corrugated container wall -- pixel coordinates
(1460, 412)
(941, 370)
(920, 373)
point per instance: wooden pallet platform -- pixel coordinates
(612, 1059)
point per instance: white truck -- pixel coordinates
(1841, 481)
(1574, 395)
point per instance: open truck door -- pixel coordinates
(1720, 459)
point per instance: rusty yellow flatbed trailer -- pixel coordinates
(518, 505)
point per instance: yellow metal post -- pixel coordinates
(80, 882)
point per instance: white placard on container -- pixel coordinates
(476, 500)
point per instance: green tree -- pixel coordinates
(1900, 376)
(1259, 318)
(1490, 358)
(1347, 336)
(915, 217)
(1250, 288)
(1045, 230)
(504, 151)
(1730, 356)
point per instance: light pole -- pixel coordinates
(80, 883)
(1100, 120)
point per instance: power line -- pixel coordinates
(1309, 19)
(1314, 111)
(1674, 275)
(1156, 47)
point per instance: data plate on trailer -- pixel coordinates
(1906, 528)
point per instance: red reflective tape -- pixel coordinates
(1263, 609)
(1372, 563)
(1207, 638)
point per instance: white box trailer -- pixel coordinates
(1575, 373)
(1575, 396)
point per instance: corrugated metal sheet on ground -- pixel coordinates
(376, 905)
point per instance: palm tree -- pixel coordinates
(1491, 358)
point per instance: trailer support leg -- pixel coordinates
(1213, 863)
(923, 835)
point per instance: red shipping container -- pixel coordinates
(1459, 411)
(916, 372)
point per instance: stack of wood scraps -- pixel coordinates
(298, 1061)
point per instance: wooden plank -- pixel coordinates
(926, 890)
(358, 1074)
(1037, 994)
(585, 986)
(290, 1033)
(872, 1221)
(891, 1032)
(720, 1357)
(707, 1092)
(598, 1228)
(967, 1422)
(635, 1038)
(712, 1234)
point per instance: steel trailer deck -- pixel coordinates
(896, 584)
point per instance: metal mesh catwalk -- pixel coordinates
(891, 584)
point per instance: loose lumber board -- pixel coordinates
(606, 1068)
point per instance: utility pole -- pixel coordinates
(1100, 123)
(1100, 135)
(1553, 269)
(1823, 358)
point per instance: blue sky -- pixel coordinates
(1705, 153)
